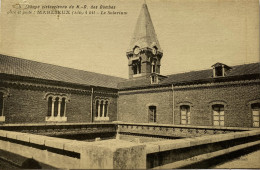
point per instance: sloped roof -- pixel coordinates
(144, 33)
(21, 67)
(195, 76)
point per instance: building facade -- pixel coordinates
(33, 92)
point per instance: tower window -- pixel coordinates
(153, 67)
(152, 114)
(255, 114)
(185, 114)
(218, 115)
(136, 65)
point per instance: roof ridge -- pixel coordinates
(58, 65)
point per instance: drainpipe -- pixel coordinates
(91, 105)
(172, 105)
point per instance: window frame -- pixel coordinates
(56, 103)
(219, 120)
(98, 116)
(187, 114)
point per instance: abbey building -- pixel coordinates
(34, 92)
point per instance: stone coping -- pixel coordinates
(185, 126)
(56, 123)
(65, 144)
(159, 146)
(128, 123)
(58, 143)
(206, 156)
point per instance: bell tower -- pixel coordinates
(144, 53)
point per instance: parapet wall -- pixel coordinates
(173, 131)
(54, 152)
(71, 154)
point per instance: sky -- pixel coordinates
(193, 34)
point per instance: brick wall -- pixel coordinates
(29, 106)
(236, 98)
(134, 107)
(25, 106)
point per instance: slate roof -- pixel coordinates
(239, 71)
(144, 33)
(22, 67)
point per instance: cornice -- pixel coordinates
(52, 88)
(155, 89)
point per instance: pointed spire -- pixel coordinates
(144, 33)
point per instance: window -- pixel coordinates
(56, 108)
(154, 79)
(152, 114)
(218, 71)
(101, 110)
(2, 118)
(62, 108)
(255, 114)
(49, 106)
(218, 115)
(97, 108)
(153, 67)
(3, 93)
(56, 105)
(136, 65)
(185, 114)
(106, 104)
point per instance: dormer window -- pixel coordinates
(154, 79)
(220, 70)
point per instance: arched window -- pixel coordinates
(255, 114)
(56, 105)
(152, 114)
(49, 106)
(97, 108)
(101, 113)
(185, 114)
(218, 115)
(153, 67)
(101, 108)
(1, 104)
(106, 105)
(62, 107)
(56, 110)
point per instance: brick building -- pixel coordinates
(34, 92)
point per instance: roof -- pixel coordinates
(144, 34)
(220, 65)
(22, 67)
(195, 77)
